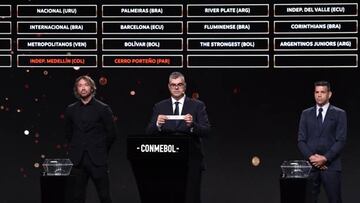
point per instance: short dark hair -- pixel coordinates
(323, 83)
(87, 79)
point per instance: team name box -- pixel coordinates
(57, 27)
(228, 27)
(5, 11)
(142, 27)
(315, 61)
(228, 44)
(142, 44)
(145, 10)
(57, 44)
(5, 44)
(315, 9)
(56, 61)
(316, 26)
(227, 61)
(142, 61)
(5, 27)
(316, 43)
(5, 60)
(57, 11)
(228, 10)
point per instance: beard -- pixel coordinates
(85, 94)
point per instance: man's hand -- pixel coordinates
(161, 119)
(318, 161)
(188, 119)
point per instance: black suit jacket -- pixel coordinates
(327, 140)
(199, 129)
(92, 130)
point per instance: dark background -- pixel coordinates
(253, 112)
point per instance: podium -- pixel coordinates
(166, 168)
(57, 189)
(295, 182)
(295, 190)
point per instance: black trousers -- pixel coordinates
(331, 180)
(98, 174)
(193, 191)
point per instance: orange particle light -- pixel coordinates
(255, 161)
(103, 81)
(195, 95)
(236, 90)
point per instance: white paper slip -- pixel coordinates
(175, 117)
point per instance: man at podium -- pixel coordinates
(182, 115)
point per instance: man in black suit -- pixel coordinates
(321, 138)
(193, 121)
(90, 131)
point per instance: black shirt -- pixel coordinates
(89, 127)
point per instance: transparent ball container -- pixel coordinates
(57, 167)
(295, 169)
